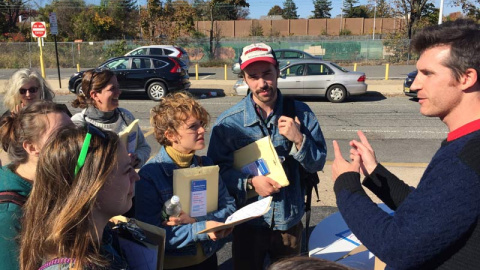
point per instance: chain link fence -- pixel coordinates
(90, 54)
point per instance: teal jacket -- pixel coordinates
(10, 215)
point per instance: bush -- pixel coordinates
(345, 32)
(215, 63)
(116, 49)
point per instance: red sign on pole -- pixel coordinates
(39, 29)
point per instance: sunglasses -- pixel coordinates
(31, 90)
(95, 72)
(91, 130)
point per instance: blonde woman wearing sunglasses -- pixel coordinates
(25, 87)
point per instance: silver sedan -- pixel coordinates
(316, 78)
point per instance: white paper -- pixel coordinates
(255, 209)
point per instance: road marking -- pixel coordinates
(393, 131)
(149, 132)
(203, 78)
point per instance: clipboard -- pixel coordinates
(244, 214)
(185, 186)
(129, 136)
(260, 158)
(145, 254)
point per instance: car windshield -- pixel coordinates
(120, 63)
(339, 67)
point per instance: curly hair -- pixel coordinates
(172, 112)
(22, 76)
(463, 37)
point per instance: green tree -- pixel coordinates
(3, 14)
(471, 8)
(212, 5)
(11, 10)
(67, 11)
(429, 15)
(125, 15)
(322, 9)
(289, 10)
(349, 8)
(361, 11)
(275, 10)
(411, 10)
(384, 9)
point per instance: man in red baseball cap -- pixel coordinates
(297, 138)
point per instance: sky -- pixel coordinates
(305, 7)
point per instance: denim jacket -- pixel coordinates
(240, 126)
(156, 186)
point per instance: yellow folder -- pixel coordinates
(260, 158)
(129, 136)
(184, 184)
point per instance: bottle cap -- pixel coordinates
(175, 199)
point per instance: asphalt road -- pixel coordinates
(372, 72)
(393, 125)
(396, 129)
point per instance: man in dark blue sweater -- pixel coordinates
(436, 225)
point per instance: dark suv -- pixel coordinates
(408, 82)
(154, 75)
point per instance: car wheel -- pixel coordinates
(78, 88)
(336, 94)
(156, 91)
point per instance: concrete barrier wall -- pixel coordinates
(303, 27)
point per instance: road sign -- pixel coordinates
(53, 23)
(39, 29)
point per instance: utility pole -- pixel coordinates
(440, 13)
(374, 17)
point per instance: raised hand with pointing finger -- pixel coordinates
(340, 165)
(365, 151)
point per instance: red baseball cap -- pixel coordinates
(256, 52)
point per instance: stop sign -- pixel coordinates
(39, 29)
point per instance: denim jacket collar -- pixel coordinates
(251, 117)
(167, 164)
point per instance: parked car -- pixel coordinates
(316, 78)
(291, 56)
(408, 82)
(285, 56)
(154, 75)
(165, 50)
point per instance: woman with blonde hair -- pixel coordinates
(84, 178)
(24, 87)
(179, 124)
(22, 136)
(100, 103)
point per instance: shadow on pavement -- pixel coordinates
(318, 214)
(198, 93)
(206, 93)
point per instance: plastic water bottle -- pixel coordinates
(171, 208)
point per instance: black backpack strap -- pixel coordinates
(12, 197)
(308, 180)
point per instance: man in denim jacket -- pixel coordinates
(300, 140)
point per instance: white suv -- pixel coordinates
(167, 50)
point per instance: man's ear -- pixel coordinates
(31, 148)
(469, 79)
